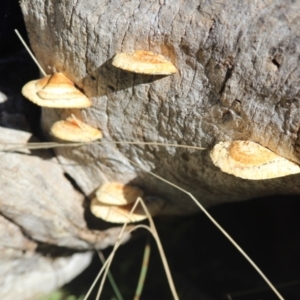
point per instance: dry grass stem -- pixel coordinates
(152, 230)
(111, 279)
(143, 272)
(11, 147)
(222, 230)
(30, 53)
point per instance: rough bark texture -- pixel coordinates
(238, 78)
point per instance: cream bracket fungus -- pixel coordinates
(74, 130)
(55, 91)
(250, 160)
(121, 213)
(114, 193)
(114, 201)
(144, 62)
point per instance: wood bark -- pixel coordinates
(238, 78)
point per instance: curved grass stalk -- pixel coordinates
(153, 231)
(111, 279)
(112, 254)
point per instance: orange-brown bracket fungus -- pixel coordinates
(144, 62)
(74, 130)
(114, 201)
(114, 193)
(121, 213)
(55, 91)
(250, 160)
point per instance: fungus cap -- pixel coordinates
(55, 91)
(250, 160)
(144, 62)
(120, 214)
(114, 193)
(74, 130)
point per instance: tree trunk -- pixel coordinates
(238, 79)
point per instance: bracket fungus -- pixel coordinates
(113, 193)
(121, 214)
(114, 201)
(144, 62)
(74, 130)
(55, 91)
(250, 160)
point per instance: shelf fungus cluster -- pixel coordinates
(114, 201)
(57, 91)
(250, 160)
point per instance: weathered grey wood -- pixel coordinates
(37, 196)
(39, 206)
(37, 275)
(238, 78)
(26, 274)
